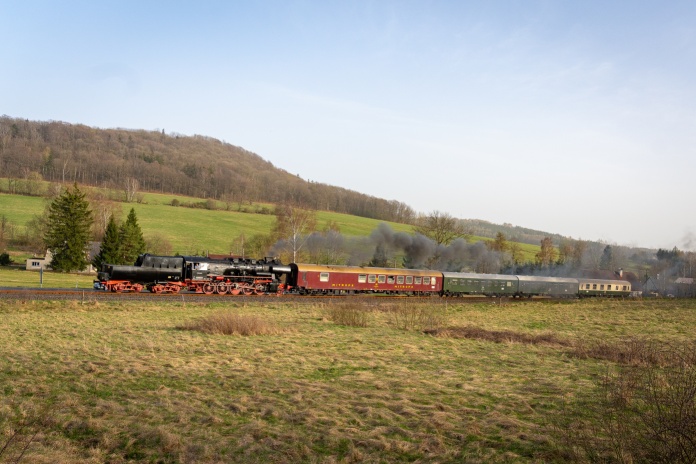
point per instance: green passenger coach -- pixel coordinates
(458, 283)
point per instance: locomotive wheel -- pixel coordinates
(208, 288)
(137, 288)
(259, 290)
(222, 288)
(174, 289)
(247, 291)
(156, 289)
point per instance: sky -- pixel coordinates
(577, 118)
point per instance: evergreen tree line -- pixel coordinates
(67, 234)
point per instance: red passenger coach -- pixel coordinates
(336, 280)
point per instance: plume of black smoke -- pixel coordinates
(422, 252)
(383, 245)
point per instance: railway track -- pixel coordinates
(89, 295)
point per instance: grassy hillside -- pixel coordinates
(192, 230)
(202, 226)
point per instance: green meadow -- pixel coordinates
(200, 230)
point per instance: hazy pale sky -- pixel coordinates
(577, 118)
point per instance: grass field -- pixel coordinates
(12, 277)
(98, 382)
(199, 231)
(193, 230)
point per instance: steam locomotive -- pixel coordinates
(172, 274)
(238, 276)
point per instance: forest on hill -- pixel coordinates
(196, 166)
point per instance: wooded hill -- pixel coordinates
(196, 166)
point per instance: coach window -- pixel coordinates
(426, 280)
(594, 286)
(362, 278)
(587, 286)
(381, 279)
(409, 279)
(371, 279)
(390, 279)
(419, 280)
(601, 287)
(454, 282)
(399, 280)
(324, 277)
(624, 287)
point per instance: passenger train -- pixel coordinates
(237, 276)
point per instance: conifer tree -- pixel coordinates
(109, 252)
(131, 238)
(68, 230)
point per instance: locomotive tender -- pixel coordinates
(235, 276)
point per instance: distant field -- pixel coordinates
(11, 277)
(98, 382)
(198, 230)
(194, 230)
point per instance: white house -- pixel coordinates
(36, 264)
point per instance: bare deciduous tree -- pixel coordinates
(131, 188)
(440, 227)
(293, 226)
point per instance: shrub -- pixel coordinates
(349, 313)
(232, 324)
(5, 259)
(644, 411)
(415, 316)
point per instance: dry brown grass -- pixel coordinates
(499, 336)
(420, 316)
(230, 323)
(124, 385)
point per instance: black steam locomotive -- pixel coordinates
(171, 274)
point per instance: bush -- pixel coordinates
(232, 324)
(5, 259)
(644, 411)
(417, 316)
(349, 313)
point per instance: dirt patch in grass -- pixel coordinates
(228, 323)
(499, 336)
